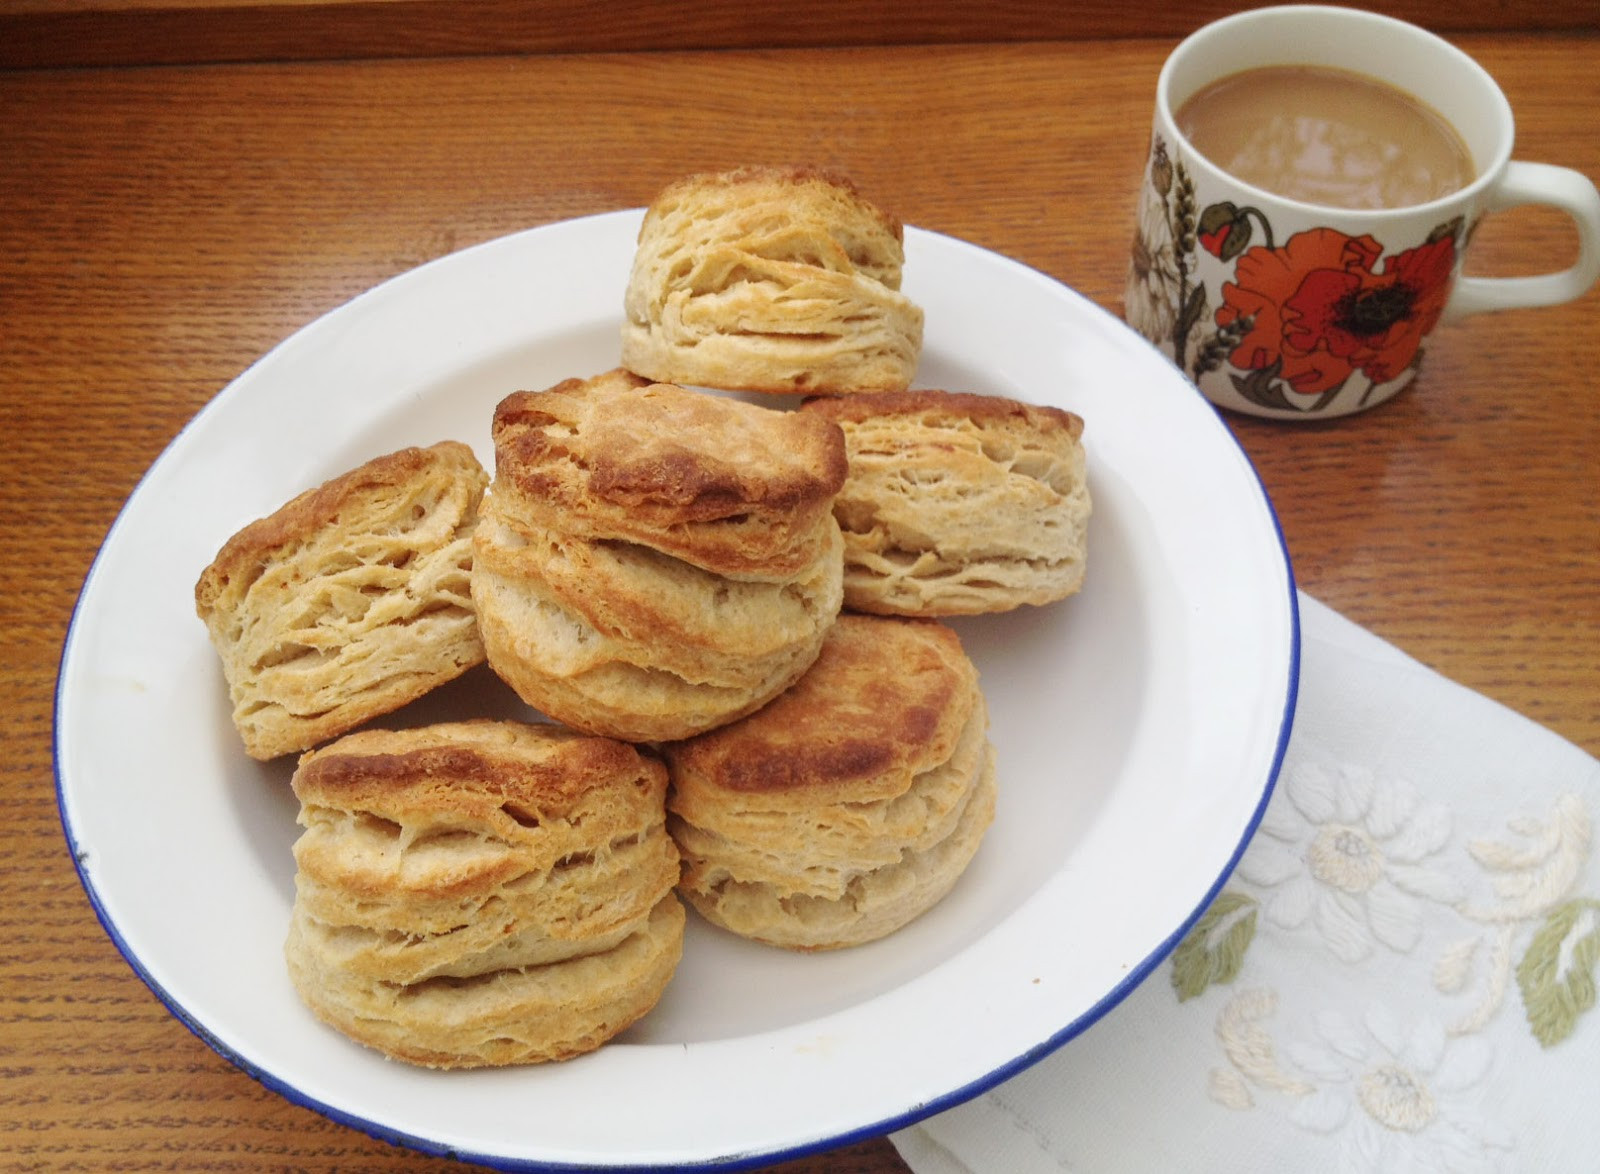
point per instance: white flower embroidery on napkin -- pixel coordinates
(1351, 860)
(1532, 878)
(1352, 856)
(1401, 974)
(1397, 1094)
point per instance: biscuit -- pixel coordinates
(849, 805)
(348, 602)
(731, 487)
(959, 504)
(482, 892)
(654, 561)
(770, 280)
(528, 1016)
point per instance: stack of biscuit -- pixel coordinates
(749, 589)
(769, 279)
(482, 893)
(349, 601)
(848, 806)
(959, 504)
(654, 561)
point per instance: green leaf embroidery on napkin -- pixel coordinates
(1557, 974)
(1213, 951)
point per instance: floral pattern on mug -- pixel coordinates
(1326, 305)
(1298, 320)
(1150, 300)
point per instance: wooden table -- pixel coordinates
(161, 227)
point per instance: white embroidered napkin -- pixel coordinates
(1400, 975)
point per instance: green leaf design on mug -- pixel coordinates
(1557, 974)
(1213, 951)
(1264, 386)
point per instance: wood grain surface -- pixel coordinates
(160, 228)
(37, 33)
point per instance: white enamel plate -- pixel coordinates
(1139, 727)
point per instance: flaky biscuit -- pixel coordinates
(349, 601)
(529, 1015)
(726, 485)
(654, 561)
(844, 839)
(625, 641)
(770, 280)
(873, 904)
(441, 850)
(454, 877)
(959, 504)
(848, 805)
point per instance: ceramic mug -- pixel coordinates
(1281, 308)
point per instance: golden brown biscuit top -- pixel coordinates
(327, 504)
(934, 405)
(501, 772)
(683, 454)
(727, 484)
(885, 700)
(795, 182)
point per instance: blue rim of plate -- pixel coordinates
(1136, 975)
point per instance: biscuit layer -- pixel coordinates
(959, 504)
(847, 806)
(457, 880)
(770, 280)
(874, 903)
(728, 486)
(528, 1015)
(648, 648)
(654, 561)
(348, 602)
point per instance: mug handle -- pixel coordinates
(1538, 183)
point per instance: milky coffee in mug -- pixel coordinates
(1327, 136)
(1274, 297)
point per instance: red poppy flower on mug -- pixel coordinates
(1322, 307)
